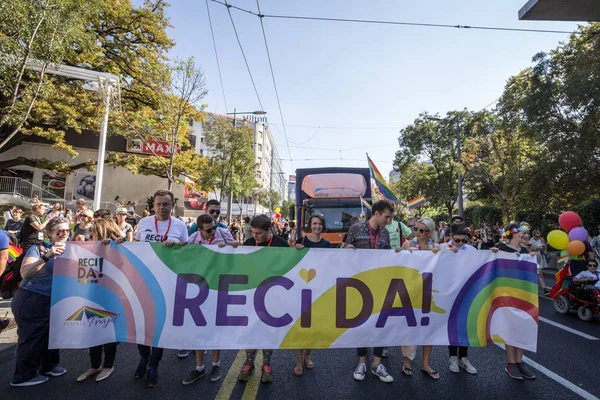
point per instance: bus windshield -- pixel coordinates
(337, 219)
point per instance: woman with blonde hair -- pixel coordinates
(104, 230)
(425, 239)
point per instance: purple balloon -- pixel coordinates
(578, 233)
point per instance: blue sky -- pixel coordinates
(368, 80)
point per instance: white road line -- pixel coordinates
(566, 328)
(556, 378)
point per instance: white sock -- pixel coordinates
(217, 364)
(200, 368)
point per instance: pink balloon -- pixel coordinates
(569, 220)
(578, 233)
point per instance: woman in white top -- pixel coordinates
(538, 245)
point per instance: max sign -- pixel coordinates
(158, 147)
(205, 297)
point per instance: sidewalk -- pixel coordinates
(8, 337)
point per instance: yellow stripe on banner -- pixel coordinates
(252, 385)
(231, 378)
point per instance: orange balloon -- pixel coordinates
(575, 248)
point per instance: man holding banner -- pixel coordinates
(160, 227)
(372, 234)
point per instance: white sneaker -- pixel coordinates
(381, 372)
(467, 366)
(454, 364)
(360, 371)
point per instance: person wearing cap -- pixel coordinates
(125, 228)
(83, 230)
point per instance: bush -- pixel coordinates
(544, 222)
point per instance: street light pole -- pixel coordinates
(461, 210)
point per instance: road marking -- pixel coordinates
(566, 328)
(252, 385)
(231, 377)
(556, 378)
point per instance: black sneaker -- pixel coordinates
(215, 373)
(525, 371)
(152, 377)
(513, 372)
(194, 376)
(141, 369)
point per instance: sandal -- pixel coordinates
(433, 374)
(309, 364)
(298, 372)
(406, 370)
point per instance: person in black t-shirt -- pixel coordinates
(32, 231)
(312, 240)
(517, 240)
(261, 236)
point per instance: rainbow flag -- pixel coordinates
(416, 202)
(381, 184)
(13, 252)
(562, 280)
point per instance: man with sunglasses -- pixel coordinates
(213, 208)
(459, 239)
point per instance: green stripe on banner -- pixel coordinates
(210, 264)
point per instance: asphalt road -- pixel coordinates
(565, 361)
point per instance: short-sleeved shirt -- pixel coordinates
(362, 236)
(12, 225)
(397, 231)
(147, 230)
(4, 240)
(126, 229)
(277, 241)
(321, 244)
(588, 274)
(464, 247)
(86, 232)
(41, 282)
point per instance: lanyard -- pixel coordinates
(201, 239)
(270, 241)
(166, 233)
(371, 244)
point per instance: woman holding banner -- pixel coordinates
(425, 239)
(312, 240)
(31, 308)
(103, 230)
(517, 240)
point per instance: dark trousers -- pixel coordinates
(153, 354)
(458, 351)
(32, 314)
(377, 351)
(110, 352)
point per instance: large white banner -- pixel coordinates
(203, 297)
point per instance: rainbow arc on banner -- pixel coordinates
(381, 184)
(416, 202)
(90, 312)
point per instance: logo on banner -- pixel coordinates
(91, 317)
(89, 270)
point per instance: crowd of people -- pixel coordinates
(43, 234)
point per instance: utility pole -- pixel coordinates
(461, 210)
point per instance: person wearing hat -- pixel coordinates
(83, 230)
(125, 228)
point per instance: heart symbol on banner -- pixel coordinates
(308, 275)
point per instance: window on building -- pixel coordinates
(259, 160)
(260, 148)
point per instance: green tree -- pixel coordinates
(232, 168)
(285, 208)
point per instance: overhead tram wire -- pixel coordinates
(216, 55)
(379, 22)
(243, 53)
(262, 26)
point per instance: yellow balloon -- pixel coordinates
(558, 239)
(277, 210)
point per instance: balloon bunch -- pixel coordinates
(277, 214)
(571, 243)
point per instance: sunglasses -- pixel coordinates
(592, 265)
(420, 230)
(214, 212)
(465, 240)
(62, 231)
(210, 230)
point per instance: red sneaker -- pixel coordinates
(267, 375)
